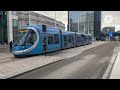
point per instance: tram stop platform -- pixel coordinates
(113, 69)
(115, 72)
(15, 66)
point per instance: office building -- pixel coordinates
(88, 22)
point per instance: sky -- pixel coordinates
(115, 19)
(63, 17)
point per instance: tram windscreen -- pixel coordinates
(28, 37)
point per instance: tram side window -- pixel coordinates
(65, 39)
(77, 38)
(69, 39)
(56, 39)
(80, 38)
(85, 38)
(72, 38)
(50, 39)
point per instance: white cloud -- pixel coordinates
(60, 15)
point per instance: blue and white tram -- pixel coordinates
(41, 39)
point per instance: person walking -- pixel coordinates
(11, 43)
(83, 37)
(84, 41)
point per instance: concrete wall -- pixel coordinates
(9, 25)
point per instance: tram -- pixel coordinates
(40, 39)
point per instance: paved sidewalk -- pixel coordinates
(5, 53)
(110, 67)
(115, 73)
(16, 67)
(4, 46)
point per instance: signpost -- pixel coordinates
(110, 35)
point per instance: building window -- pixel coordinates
(14, 13)
(82, 22)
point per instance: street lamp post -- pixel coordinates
(29, 18)
(55, 19)
(78, 21)
(84, 24)
(22, 18)
(108, 33)
(69, 24)
(88, 23)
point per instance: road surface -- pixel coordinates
(90, 64)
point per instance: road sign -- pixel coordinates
(110, 34)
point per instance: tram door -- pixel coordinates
(44, 42)
(65, 41)
(60, 39)
(44, 38)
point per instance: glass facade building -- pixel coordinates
(88, 22)
(3, 27)
(8, 26)
(97, 24)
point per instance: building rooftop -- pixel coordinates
(38, 15)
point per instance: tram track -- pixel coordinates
(9, 59)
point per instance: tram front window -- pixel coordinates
(28, 38)
(31, 38)
(22, 39)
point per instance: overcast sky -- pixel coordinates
(116, 19)
(63, 17)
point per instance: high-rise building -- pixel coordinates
(97, 24)
(88, 22)
(8, 25)
(3, 26)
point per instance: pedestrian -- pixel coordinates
(44, 45)
(11, 43)
(83, 36)
(84, 41)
